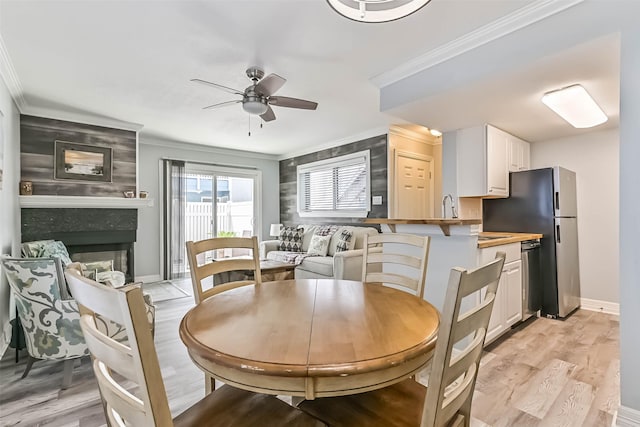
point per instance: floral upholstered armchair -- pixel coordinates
(49, 317)
(51, 323)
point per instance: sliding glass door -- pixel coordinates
(217, 202)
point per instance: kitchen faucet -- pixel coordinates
(454, 213)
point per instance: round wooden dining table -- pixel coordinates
(311, 338)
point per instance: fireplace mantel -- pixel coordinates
(83, 202)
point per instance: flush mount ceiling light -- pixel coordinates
(435, 132)
(576, 106)
(376, 10)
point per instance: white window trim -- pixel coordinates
(345, 160)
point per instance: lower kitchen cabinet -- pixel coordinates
(507, 308)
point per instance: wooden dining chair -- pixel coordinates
(447, 399)
(136, 364)
(218, 273)
(384, 260)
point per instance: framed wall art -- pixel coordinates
(82, 162)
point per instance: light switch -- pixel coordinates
(377, 200)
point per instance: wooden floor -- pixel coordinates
(549, 373)
(552, 373)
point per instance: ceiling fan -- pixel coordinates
(258, 98)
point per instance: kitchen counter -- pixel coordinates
(499, 238)
(443, 223)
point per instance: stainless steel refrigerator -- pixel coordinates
(544, 201)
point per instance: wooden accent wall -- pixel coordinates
(289, 181)
(37, 146)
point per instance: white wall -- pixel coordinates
(9, 210)
(629, 413)
(594, 157)
(151, 152)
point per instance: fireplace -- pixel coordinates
(89, 234)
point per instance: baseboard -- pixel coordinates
(148, 279)
(601, 306)
(627, 417)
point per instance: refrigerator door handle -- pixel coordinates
(558, 233)
(557, 200)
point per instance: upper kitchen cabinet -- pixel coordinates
(482, 154)
(519, 154)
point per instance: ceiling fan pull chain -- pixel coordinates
(249, 125)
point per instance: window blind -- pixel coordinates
(338, 186)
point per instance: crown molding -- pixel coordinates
(378, 131)
(84, 118)
(527, 15)
(415, 136)
(10, 77)
(167, 143)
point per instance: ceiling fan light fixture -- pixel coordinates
(575, 105)
(255, 106)
(376, 10)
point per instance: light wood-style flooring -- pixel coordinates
(552, 373)
(549, 373)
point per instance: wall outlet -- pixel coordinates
(377, 200)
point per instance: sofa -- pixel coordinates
(345, 264)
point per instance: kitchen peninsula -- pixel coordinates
(455, 242)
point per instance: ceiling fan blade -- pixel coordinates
(217, 86)
(283, 101)
(268, 115)
(270, 84)
(221, 104)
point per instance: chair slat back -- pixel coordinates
(201, 270)
(396, 266)
(453, 376)
(137, 360)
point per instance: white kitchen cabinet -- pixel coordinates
(513, 293)
(507, 307)
(519, 154)
(482, 156)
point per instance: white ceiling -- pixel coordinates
(132, 61)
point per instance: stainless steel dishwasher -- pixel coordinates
(531, 278)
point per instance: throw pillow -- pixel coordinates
(56, 249)
(99, 266)
(34, 249)
(346, 242)
(91, 269)
(325, 230)
(319, 245)
(291, 239)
